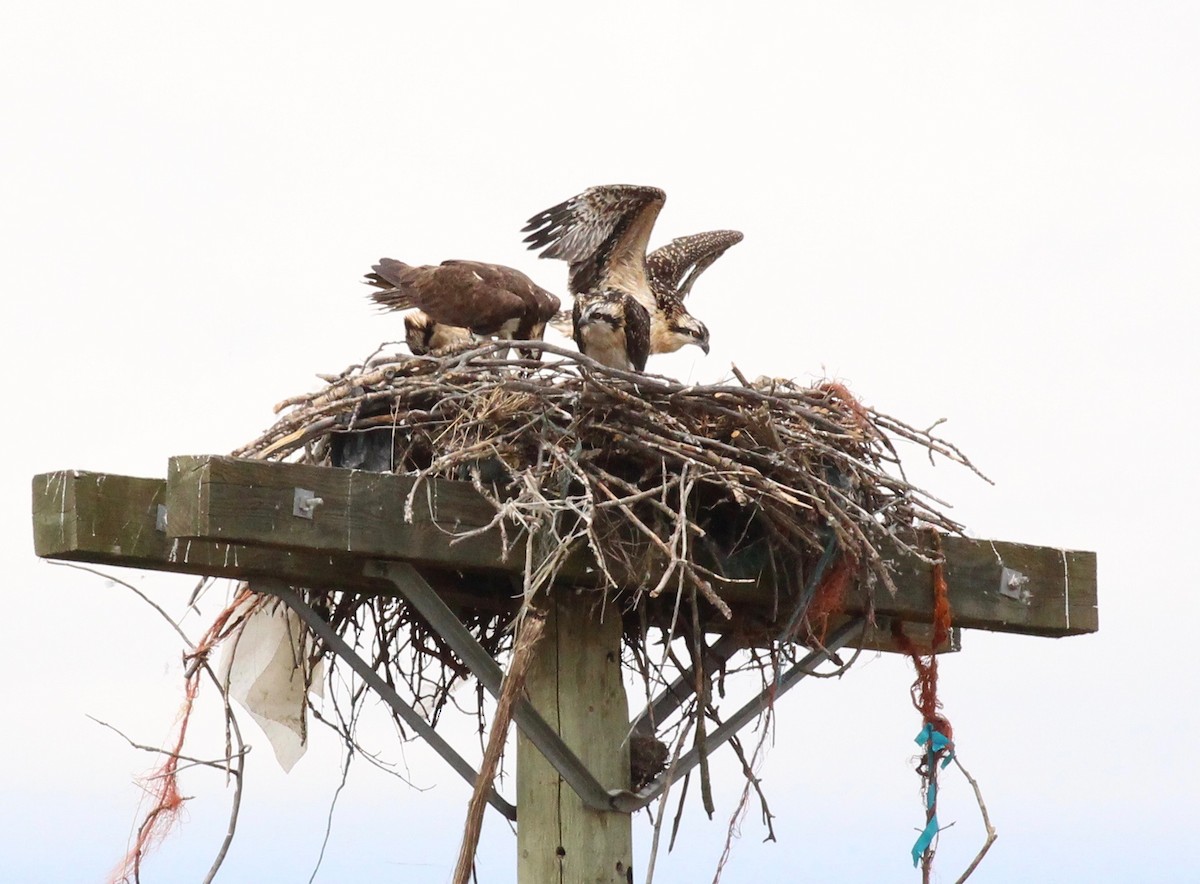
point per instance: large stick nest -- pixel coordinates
(716, 481)
(704, 488)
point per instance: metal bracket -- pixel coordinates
(412, 586)
(412, 718)
(305, 503)
(1015, 585)
(425, 600)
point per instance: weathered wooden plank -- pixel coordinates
(575, 684)
(113, 520)
(363, 514)
(1003, 587)
(360, 513)
(212, 530)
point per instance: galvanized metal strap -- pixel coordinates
(410, 584)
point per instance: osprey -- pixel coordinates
(667, 266)
(488, 299)
(602, 234)
(426, 337)
(613, 328)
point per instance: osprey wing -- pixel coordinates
(668, 265)
(469, 294)
(601, 233)
(539, 304)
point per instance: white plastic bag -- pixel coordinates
(262, 664)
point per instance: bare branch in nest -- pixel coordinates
(233, 764)
(987, 825)
(219, 763)
(532, 627)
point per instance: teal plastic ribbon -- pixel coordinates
(935, 741)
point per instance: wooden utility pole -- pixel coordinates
(575, 683)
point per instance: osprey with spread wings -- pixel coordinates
(627, 304)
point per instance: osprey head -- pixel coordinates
(418, 332)
(680, 331)
(427, 337)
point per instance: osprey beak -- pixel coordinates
(703, 345)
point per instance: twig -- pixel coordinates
(236, 771)
(532, 628)
(987, 825)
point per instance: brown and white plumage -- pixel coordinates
(428, 338)
(602, 234)
(613, 328)
(488, 299)
(667, 265)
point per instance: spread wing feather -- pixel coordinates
(602, 229)
(668, 265)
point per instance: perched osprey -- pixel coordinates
(667, 268)
(426, 337)
(488, 299)
(613, 328)
(602, 234)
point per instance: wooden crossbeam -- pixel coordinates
(108, 519)
(994, 585)
(236, 518)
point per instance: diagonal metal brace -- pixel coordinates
(412, 718)
(681, 689)
(630, 801)
(409, 582)
(418, 593)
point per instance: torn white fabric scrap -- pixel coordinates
(263, 666)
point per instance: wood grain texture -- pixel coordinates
(575, 683)
(235, 518)
(112, 520)
(361, 513)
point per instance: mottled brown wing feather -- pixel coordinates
(540, 305)
(637, 333)
(465, 293)
(667, 266)
(603, 228)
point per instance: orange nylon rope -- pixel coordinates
(162, 786)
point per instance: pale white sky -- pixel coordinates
(984, 213)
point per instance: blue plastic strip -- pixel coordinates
(934, 741)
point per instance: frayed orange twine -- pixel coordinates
(162, 785)
(925, 699)
(924, 688)
(829, 599)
